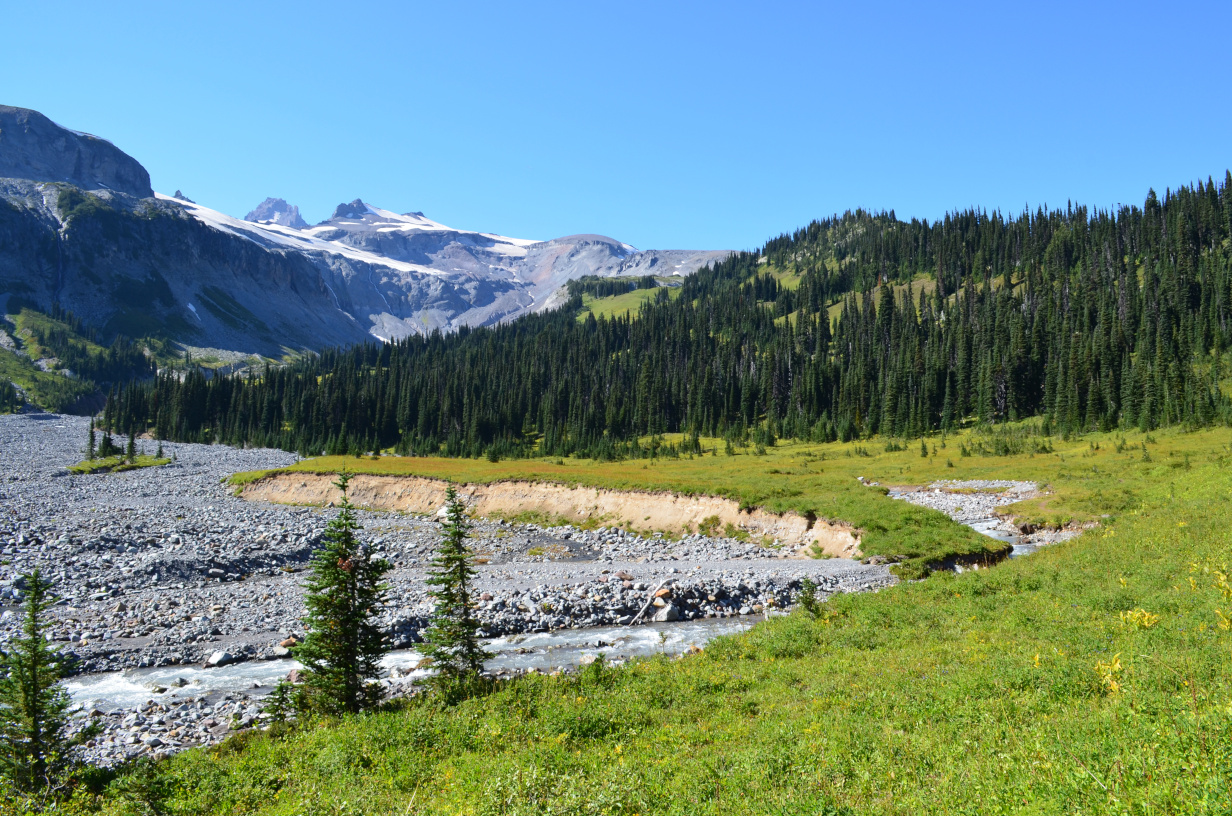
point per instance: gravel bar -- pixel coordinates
(163, 567)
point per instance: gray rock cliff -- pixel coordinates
(36, 148)
(81, 228)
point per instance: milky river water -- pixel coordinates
(546, 651)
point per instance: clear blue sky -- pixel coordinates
(667, 125)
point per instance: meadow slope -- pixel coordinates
(1091, 677)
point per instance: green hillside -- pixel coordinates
(75, 363)
(1086, 320)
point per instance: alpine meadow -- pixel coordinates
(814, 409)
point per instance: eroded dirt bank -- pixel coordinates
(656, 511)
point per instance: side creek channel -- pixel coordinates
(975, 503)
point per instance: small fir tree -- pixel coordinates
(344, 646)
(107, 447)
(130, 453)
(35, 752)
(92, 444)
(281, 703)
(452, 639)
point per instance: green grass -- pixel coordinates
(821, 479)
(618, 305)
(52, 390)
(117, 464)
(991, 692)
(28, 322)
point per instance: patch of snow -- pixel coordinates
(290, 238)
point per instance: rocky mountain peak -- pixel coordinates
(35, 148)
(356, 209)
(277, 211)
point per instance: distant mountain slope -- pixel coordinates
(81, 227)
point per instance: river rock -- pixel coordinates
(667, 614)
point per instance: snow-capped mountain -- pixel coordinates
(79, 228)
(274, 211)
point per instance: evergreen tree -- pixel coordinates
(35, 753)
(452, 639)
(107, 446)
(344, 644)
(92, 444)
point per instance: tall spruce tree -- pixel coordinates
(35, 752)
(452, 639)
(344, 644)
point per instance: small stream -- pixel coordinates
(991, 527)
(546, 652)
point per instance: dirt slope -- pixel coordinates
(655, 511)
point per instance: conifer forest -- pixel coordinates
(855, 325)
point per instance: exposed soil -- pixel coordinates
(668, 512)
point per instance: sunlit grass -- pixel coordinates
(1085, 479)
(622, 304)
(117, 464)
(1090, 677)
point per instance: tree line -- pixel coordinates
(596, 286)
(855, 325)
(10, 401)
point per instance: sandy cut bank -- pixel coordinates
(668, 512)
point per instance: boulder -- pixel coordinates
(667, 614)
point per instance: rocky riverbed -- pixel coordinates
(164, 567)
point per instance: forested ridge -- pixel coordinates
(856, 325)
(74, 360)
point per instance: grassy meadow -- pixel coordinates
(1092, 677)
(1086, 476)
(622, 304)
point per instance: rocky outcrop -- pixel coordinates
(36, 148)
(356, 209)
(274, 211)
(145, 267)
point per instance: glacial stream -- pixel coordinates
(546, 651)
